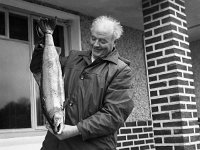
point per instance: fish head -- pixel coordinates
(58, 122)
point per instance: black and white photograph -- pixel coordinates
(99, 74)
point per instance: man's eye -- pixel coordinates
(93, 38)
(102, 41)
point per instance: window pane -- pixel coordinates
(2, 23)
(18, 27)
(58, 36)
(14, 85)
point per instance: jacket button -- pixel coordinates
(82, 77)
(70, 103)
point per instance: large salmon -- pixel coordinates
(51, 85)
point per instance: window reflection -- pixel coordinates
(15, 85)
(15, 114)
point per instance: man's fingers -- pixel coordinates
(62, 126)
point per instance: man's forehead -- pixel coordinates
(103, 29)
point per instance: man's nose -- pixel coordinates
(96, 43)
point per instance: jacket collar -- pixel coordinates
(112, 56)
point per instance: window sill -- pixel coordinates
(30, 143)
(15, 133)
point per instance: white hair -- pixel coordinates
(109, 21)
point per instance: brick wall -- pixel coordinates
(137, 135)
(170, 75)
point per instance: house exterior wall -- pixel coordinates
(195, 47)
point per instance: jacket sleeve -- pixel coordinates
(36, 61)
(118, 104)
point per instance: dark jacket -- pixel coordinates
(98, 99)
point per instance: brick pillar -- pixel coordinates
(170, 76)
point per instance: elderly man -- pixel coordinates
(98, 91)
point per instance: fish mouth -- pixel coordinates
(58, 123)
(58, 129)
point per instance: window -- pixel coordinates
(58, 37)
(15, 106)
(13, 26)
(2, 23)
(20, 110)
(15, 85)
(16, 109)
(18, 27)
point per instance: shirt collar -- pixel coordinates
(112, 56)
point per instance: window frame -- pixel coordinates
(21, 14)
(7, 32)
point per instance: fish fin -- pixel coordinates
(38, 80)
(39, 32)
(49, 120)
(37, 77)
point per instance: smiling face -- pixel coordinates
(102, 41)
